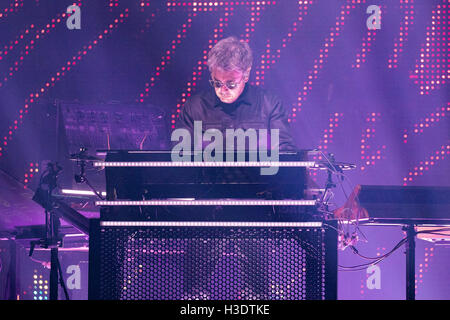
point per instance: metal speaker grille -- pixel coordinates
(196, 263)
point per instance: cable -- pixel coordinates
(350, 237)
(352, 186)
(344, 231)
(377, 260)
(45, 264)
(382, 257)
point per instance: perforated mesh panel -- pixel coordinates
(173, 263)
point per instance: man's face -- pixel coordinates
(224, 93)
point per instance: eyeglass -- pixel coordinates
(229, 84)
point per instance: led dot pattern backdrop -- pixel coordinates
(376, 97)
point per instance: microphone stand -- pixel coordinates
(329, 183)
(52, 239)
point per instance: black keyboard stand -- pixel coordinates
(410, 252)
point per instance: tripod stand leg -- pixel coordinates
(410, 263)
(61, 280)
(54, 274)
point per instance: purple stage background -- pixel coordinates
(376, 98)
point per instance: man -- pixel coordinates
(232, 104)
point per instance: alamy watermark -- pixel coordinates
(374, 277)
(373, 22)
(235, 140)
(74, 20)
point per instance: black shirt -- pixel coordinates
(255, 109)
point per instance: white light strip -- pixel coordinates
(207, 164)
(81, 192)
(208, 224)
(74, 235)
(208, 203)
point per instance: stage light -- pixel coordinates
(367, 155)
(221, 202)
(80, 192)
(431, 67)
(225, 224)
(207, 164)
(320, 62)
(40, 286)
(433, 119)
(438, 155)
